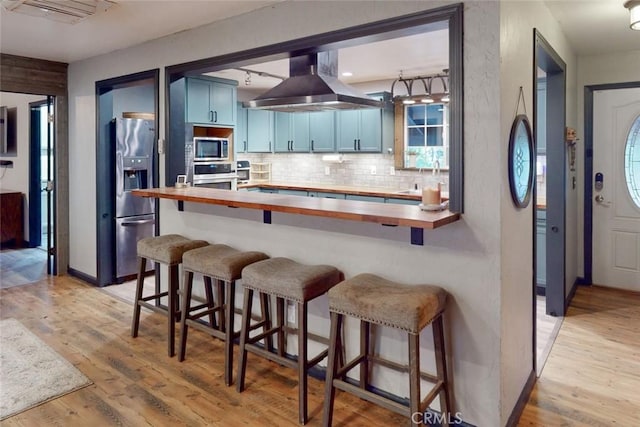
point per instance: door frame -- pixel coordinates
(547, 59)
(35, 184)
(105, 193)
(588, 170)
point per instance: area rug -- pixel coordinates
(31, 372)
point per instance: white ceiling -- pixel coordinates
(592, 26)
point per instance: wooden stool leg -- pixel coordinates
(142, 262)
(302, 361)
(441, 366)
(280, 323)
(221, 298)
(156, 270)
(414, 375)
(365, 328)
(172, 309)
(184, 328)
(229, 312)
(244, 335)
(266, 317)
(332, 367)
(208, 291)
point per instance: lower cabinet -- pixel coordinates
(365, 198)
(541, 248)
(293, 192)
(327, 195)
(402, 201)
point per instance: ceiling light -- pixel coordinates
(634, 13)
(427, 97)
(347, 74)
(66, 11)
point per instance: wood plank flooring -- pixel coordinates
(592, 376)
(21, 266)
(547, 328)
(136, 384)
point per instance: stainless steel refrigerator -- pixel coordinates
(135, 216)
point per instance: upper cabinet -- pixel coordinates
(292, 132)
(365, 130)
(260, 131)
(211, 101)
(322, 131)
(240, 134)
(360, 130)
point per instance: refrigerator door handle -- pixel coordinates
(139, 222)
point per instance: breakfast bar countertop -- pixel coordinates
(380, 213)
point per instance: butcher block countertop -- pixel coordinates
(333, 188)
(380, 213)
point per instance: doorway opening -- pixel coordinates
(549, 294)
(41, 167)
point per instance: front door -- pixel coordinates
(616, 188)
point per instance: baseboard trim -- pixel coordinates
(522, 400)
(579, 281)
(82, 276)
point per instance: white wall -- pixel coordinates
(464, 257)
(17, 177)
(615, 67)
(517, 21)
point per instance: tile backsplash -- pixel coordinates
(362, 170)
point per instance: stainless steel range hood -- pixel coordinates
(313, 85)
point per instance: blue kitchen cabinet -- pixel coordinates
(402, 201)
(541, 248)
(361, 130)
(260, 131)
(326, 195)
(292, 132)
(211, 101)
(365, 198)
(240, 133)
(322, 131)
(293, 192)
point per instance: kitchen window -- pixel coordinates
(426, 136)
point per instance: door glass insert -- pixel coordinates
(632, 162)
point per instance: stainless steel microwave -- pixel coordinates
(206, 149)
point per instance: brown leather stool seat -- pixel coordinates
(223, 264)
(167, 249)
(410, 308)
(286, 280)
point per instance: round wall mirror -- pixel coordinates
(521, 161)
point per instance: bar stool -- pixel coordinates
(223, 264)
(373, 299)
(167, 249)
(286, 280)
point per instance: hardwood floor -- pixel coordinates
(547, 328)
(136, 384)
(22, 266)
(592, 376)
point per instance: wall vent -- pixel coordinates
(66, 11)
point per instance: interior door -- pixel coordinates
(616, 217)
